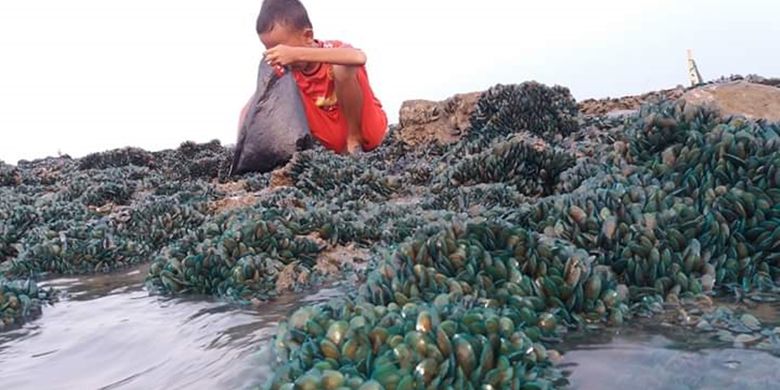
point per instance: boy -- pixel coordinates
(342, 111)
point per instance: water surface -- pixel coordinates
(650, 355)
(107, 332)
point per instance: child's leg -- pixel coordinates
(350, 97)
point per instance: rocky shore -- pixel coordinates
(483, 230)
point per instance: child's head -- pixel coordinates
(284, 22)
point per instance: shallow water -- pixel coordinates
(107, 332)
(648, 355)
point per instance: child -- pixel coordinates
(341, 108)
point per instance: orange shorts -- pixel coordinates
(329, 126)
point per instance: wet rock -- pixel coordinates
(422, 122)
(627, 103)
(754, 101)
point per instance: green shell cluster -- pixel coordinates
(236, 255)
(678, 204)
(99, 213)
(346, 200)
(516, 163)
(550, 112)
(469, 306)
(20, 300)
(484, 252)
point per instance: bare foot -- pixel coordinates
(354, 145)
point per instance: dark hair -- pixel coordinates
(287, 12)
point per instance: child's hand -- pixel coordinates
(281, 55)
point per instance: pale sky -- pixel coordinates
(80, 76)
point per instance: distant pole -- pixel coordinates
(693, 70)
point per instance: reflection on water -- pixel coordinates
(108, 333)
(651, 357)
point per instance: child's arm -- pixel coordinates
(285, 55)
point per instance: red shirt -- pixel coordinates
(318, 86)
(327, 124)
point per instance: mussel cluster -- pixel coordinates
(476, 198)
(466, 307)
(680, 204)
(515, 162)
(484, 252)
(100, 213)
(236, 255)
(550, 112)
(118, 158)
(21, 299)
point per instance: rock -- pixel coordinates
(425, 121)
(753, 97)
(236, 197)
(287, 278)
(754, 101)
(626, 105)
(281, 178)
(335, 260)
(752, 78)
